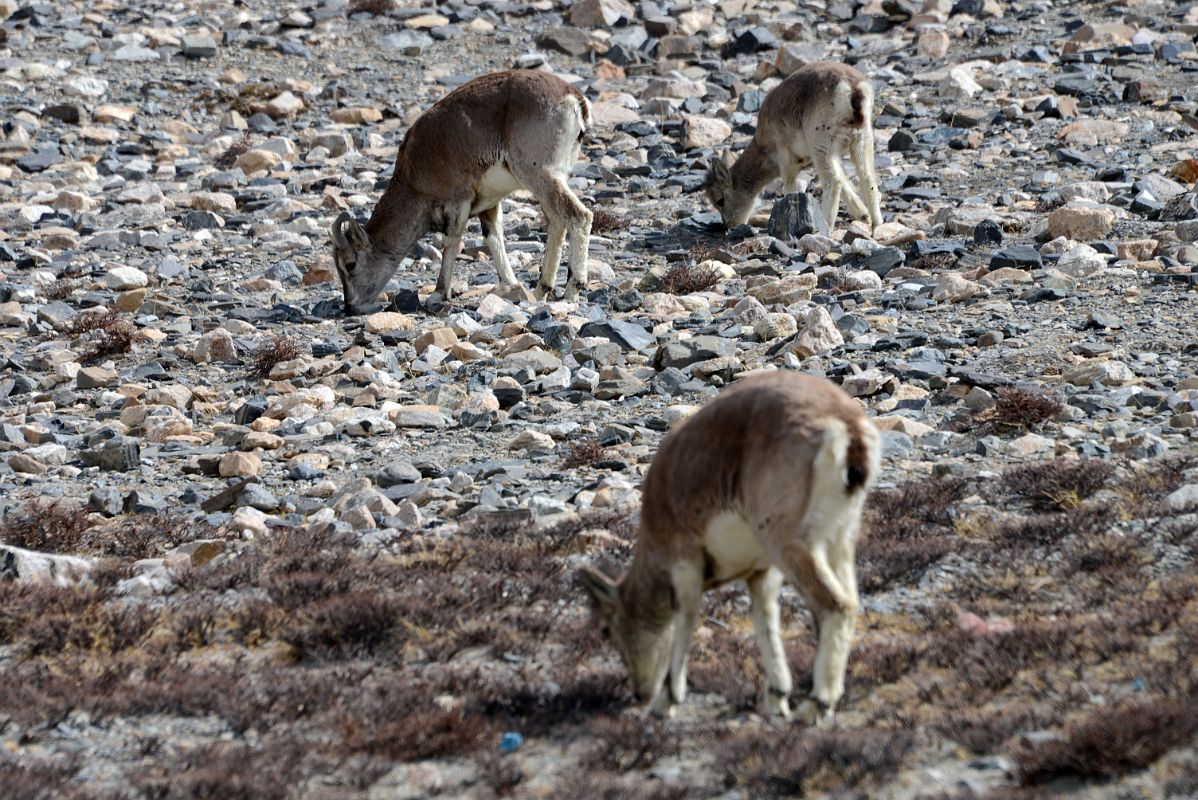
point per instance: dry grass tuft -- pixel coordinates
(1113, 741)
(687, 279)
(606, 221)
(279, 349)
(907, 529)
(105, 332)
(629, 743)
(57, 527)
(1059, 484)
(1019, 409)
(61, 289)
(376, 7)
(227, 159)
(582, 453)
(796, 761)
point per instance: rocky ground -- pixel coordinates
(253, 548)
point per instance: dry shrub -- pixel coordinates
(990, 663)
(1112, 741)
(687, 279)
(231, 772)
(1151, 483)
(983, 731)
(48, 527)
(934, 262)
(598, 785)
(875, 663)
(582, 453)
(348, 625)
(498, 773)
(630, 743)
(728, 664)
(279, 349)
(704, 251)
(1019, 409)
(1184, 782)
(1059, 484)
(376, 7)
(105, 332)
(61, 289)
(1047, 529)
(415, 735)
(534, 702)
(1107, 555)
(795, 761)
(37, 780)
(907, 529)
(606, 221)
(227, 159)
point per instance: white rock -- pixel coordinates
(1080, 261)
(1108, 373)
(29, 566)
(121, 278)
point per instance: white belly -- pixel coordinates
(733, 549)
(496, 183)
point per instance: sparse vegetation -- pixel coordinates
(280, 348)
(687, 278)
(607, 221)
(1019, 410)
(582, 453)
(229, 157)
(104, 332)
(376, 7)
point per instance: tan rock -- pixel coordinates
(25, 464)
(704, 131)
(933, 43)
(954, 288)
(253, 161)
(131, 300)
(598, 13)
(284, 105)
(1136, 250)
(95, 377)
(426, 21)
(357, 115)
(255, 440)
(383, 321)
(1081, 223)
(443, 338)
(239, 465)
(110, 113)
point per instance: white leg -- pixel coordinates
(450, 245)
(831, 187)
(763, 590)
(851, 200)
(688, 593)
(492, 224)
(862, 153)
(831, 658)
(553, 255)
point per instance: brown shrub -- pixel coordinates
(232, 772)
(349, 625)
(376, 7)
(598, 785)
(227, 159)
(49, 527)
(37, 780)
(1112, 741)
(1047, 529)
(61, 289)
(794, 760)
(606, 221)
(1019, 409)
(983, 731)
(685, 279)
(630, 743)
(990, 663)
(499, 774)
(1059, 484)
(406, 734)
(581, 453)
(106, 333)
(279, 349)
(906, 529)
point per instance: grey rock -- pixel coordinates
(119, 454)
(627, 335)
(794, 216)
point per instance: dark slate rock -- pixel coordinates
(140, 501)
(683, 353)
(405, 301)
(286, 271)
(1181, 207)
(901, 142)
(201, 220)
(227, 497)
(120, 454)
(627, 301)
(751, 41)
(1022, 256)
(250, 410)
(106, 500)
(987, 232)
(40, 160)
(258, 496)
(883, 260)
(626, 334)
(565, 39)
(1044, 295)
(1102, 320)
(69, 113)
(793, 216)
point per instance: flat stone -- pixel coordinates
(1081, 223)
(95, 377)
(121, 278)
(237, 464)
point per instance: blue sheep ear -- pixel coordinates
(601, 588)
(357, 236)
